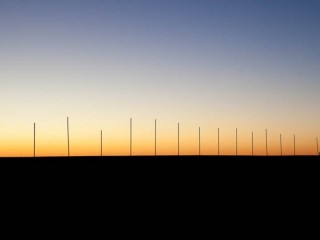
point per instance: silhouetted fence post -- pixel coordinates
(199, 141)
(130, 136)
(236, 142)
(34, 139)
(266, 142)
(178, 139)
(155, 137)
(218, 142)
(280, 144)
(101, 142)
(252, 143)
(294, 144)
(68, 137)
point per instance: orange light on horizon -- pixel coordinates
(116, 141)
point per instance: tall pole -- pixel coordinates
(199, 141)
(130, 136)
(101, 142)
(236, 142)
(294, 144)
(318, 153)
(178, 139)
(34, 139)
(68, 136)
(252, 143)
(266, 142)
(280, 144)
(218, 142)
(155, 137)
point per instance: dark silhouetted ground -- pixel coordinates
(162, 166)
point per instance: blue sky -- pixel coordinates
(253, 64)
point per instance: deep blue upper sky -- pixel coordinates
(228, 31)
(250, 61)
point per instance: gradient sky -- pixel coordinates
(246, 64)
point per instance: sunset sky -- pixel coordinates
(245, 64)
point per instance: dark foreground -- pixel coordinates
(226, 177)
(162, 165)
(104, 159)
(164, 160)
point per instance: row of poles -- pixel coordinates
(155, 140)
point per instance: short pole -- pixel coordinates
(252, 143)
(294, 144)
(218, 142)
(101, 142)
(178, 139)
(155, 137)
(130, 136)
(318, 153)
(266, 142)
(236, 142)
(199, 141)
(68, 136)
(280, 144)
(34, 139)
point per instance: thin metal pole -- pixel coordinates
(266, 142)
(199, 141)
(280, 144)
(318, 153)
(218, 142)
(101, 142)
(178, 139)
(294, 144)
(130, 136)
(236, 142)
(155, 137)
(68, 136)
(34, 139)
(252, 143)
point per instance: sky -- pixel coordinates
(227, 64)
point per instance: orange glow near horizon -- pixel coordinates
(116, 142)
(250, 65)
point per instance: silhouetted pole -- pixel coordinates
(318, 153)
(280, 144)
(34, 139)
(294, 144)
(68, 136)
(155, 137)
(101, 142)
(252, 143)
(218, 142)
(266, 142)
(199, 141)
(178, 139)
(236, 142)
(130, 136)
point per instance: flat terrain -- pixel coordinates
(224, 175)
(164, 160)
(209, 165)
